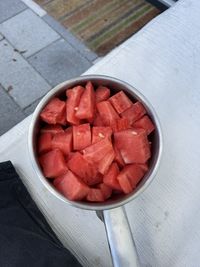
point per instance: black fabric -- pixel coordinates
(26, 239)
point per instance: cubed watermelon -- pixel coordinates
(125, 184)
(107, 113)
(99, 133)
(53, 163)
(134, 113)
(71, 186)
(103, 152)
(96, 152)
(63, 141)
(44, 143)
(144, 167)
(110, 178)
(84, 169)
(86, 106)
(133, 145)
(69, 130)
(118, 157)
(145, 123)
(98, 120)
(95, 195)
(132, 173)
(81, 136)
(73, 99)
(120, 102)
(54, 112)
(106, 190)
(120, 125)
(106, 161)
(52, 129)
(102, 93)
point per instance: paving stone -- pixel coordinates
(71, 39)
(28, 32)
(9, 8)
(1, 37)
(11, 114)
(30, 109)
(59, 62)
(19, 78)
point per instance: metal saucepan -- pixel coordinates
(112, 212)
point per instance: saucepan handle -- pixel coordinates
(122, 246)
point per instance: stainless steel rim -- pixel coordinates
(81, 205)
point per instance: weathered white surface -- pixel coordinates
(163, 62)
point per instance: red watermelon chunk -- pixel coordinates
(57, 180)
(73, 99)
(107, 113)
(102, 93)
(133, 145)
(84, 169)
(98, 178)
(120, 125)
(54, 112)
(144, 167)
(145, 123)
(125, 184)
(63, 141)
(106, 161)
(110, 178)
(86, 106)
(120, 102)
(95, 195)
(53, 163)
(132, 173)
(96, 152)
(71, 186)
(68, 130)
(103, 151)
(106, 190)
(98, 120)
(44, 143)
(81, 136)
(70, 155)
(52, 129)
(134, 113)
(99, 133)
(118, 157)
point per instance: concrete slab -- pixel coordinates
(20, 80)
(1, 37)
(28, 32)
(59, 62)
(11, 114)
(29, 110)
(9, 8)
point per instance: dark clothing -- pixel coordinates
(26, 239)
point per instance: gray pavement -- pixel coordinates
(36, 53)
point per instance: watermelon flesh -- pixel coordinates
(145, 123)
(44, 142)
(93, 144)
(130, 176)
(120, 102)
(71, 186)
(84, 169)
(54, 112)
(102, 93)
(53, 163)
(133, 145)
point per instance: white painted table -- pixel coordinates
(163, 62)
